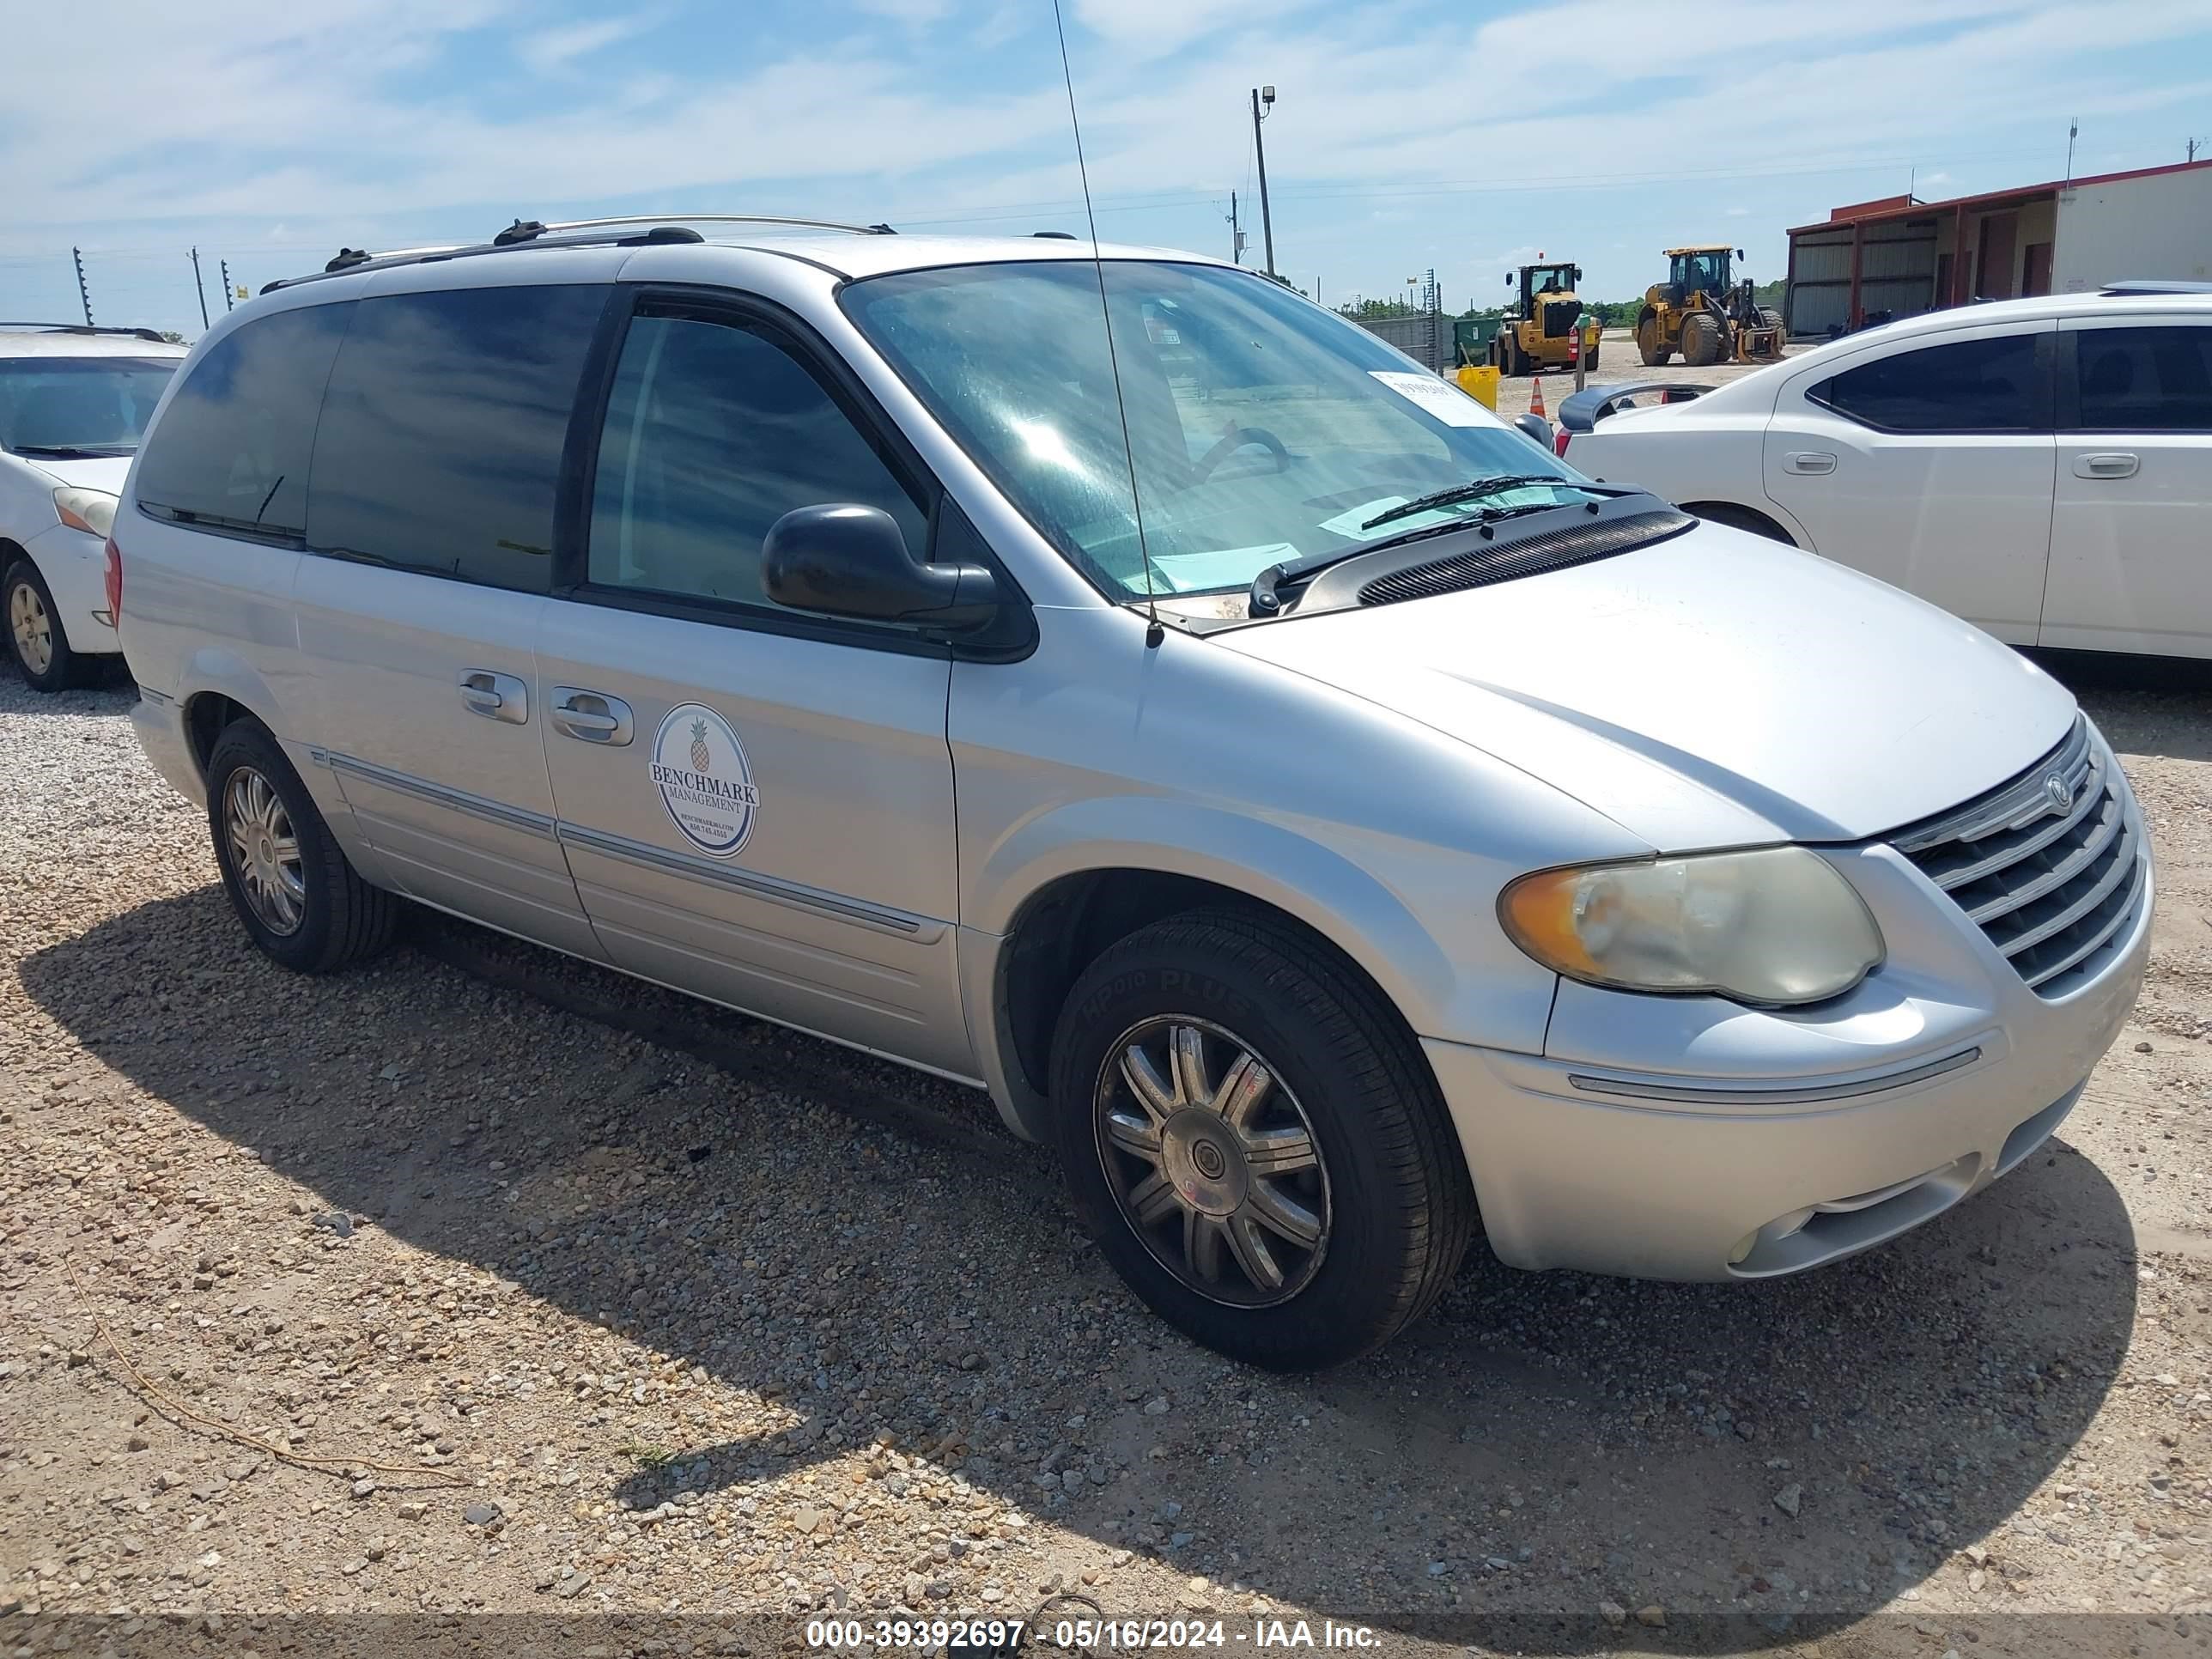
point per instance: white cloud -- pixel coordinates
(344, 120)
(1153, 28)
(551, 49)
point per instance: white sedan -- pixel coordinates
(2041, 467)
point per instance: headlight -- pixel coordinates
(1774, 926)
(91, 511)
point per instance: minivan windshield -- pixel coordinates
(68, 408)
(1262, 427)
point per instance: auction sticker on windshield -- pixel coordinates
(1447, 402)
(705, 782)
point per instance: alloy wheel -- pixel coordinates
(264, 851)
(1212, 1161)
(32, 629)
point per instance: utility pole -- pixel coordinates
(2073, 131)
(83, 292)
(2193, 144)
(199, 287)
(1236, 233)
(225, 284)
(1263, 95)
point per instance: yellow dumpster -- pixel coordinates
(1479, 382)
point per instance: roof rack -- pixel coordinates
(2149, 285)
(526, 230)
(636, 230)
(87, 328)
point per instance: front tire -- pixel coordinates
(36, 639)
(291, 885)
(1701, 339)
(1255, 1141)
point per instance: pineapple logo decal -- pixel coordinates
(705, 780)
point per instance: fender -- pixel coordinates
(1502, 1000)
(216, 670)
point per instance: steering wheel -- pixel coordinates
(1240, 438)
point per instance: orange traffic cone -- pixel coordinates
(1536, 400)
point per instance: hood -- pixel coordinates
(1715, 690)
(105, 473)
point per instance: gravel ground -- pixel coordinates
(683, 1324)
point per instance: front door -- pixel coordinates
(1931, 467)
(757, 803)
(2131, 562)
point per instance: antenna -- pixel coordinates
(1154, 633)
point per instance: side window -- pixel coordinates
(439, 449)
(2145, 379)
(232, 449)
(713, 432)
(1970, 386)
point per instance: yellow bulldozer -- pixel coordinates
(1700, 313)
(1538, 329)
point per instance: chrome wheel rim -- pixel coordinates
(264, 851)
(1212, 1161)
(31, 630)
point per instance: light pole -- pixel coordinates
(1263, 95)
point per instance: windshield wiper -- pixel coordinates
(1266, 597)
(1473, 490)
(72, 452)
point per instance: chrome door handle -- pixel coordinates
(495, 696)
(1813, 460)
(590, 716)
(2116, 464)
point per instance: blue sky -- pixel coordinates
(1460, 135)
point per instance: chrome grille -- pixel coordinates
(2051, 875)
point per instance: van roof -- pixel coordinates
(851, 253)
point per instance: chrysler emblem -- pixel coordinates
(2060, 791)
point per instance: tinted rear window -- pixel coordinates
(231, 450)
(439, 447)
(2146, 379)
(1970, 386)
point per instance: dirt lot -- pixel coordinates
(1617, 362)
(637, 1334)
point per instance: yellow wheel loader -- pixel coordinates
(1538, 329)
(1698, 312)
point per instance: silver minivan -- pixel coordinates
(1119, 685)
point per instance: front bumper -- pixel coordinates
(75, 566)
(1688, 1139)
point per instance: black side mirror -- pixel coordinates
(848, 560)
(1536, 430)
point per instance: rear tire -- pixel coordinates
(1343, 1165)
(1655, 355)
(37, 643)
(300, 901)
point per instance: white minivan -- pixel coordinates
(1123, 686)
